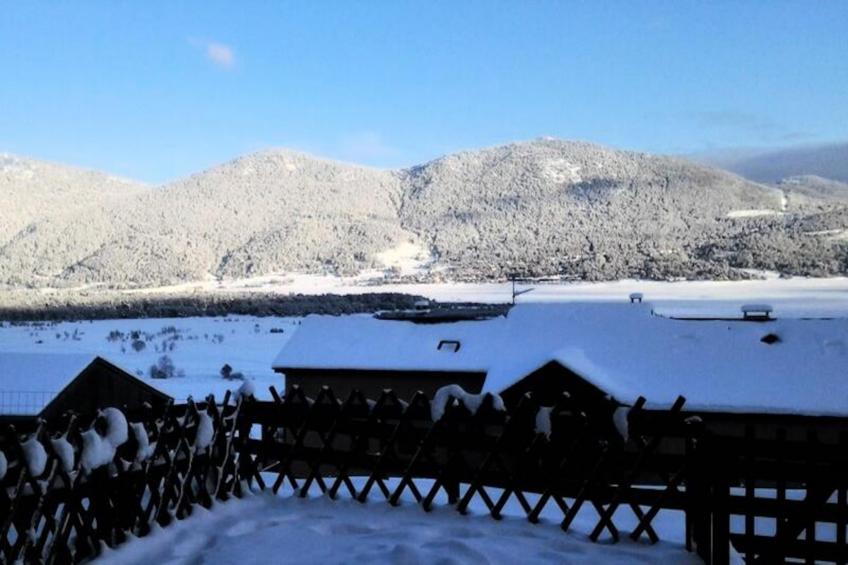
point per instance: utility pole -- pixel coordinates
(516, 293)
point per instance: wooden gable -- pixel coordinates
(102, 384)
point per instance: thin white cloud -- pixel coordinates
(219, 54)
(761, 127)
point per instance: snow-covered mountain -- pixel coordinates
(828, 161)
(544, 207)
(33, 192)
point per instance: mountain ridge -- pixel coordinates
(544, 207)
(826, 160)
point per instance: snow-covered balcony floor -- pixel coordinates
(265, 528)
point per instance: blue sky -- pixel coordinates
(158, 90)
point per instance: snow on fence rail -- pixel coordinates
(83, 483)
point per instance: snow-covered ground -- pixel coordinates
(199, 347)
(790, 296)
(752, 213)
(269, 529)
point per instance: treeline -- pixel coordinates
(113, 306)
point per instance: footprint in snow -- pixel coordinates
(191, 545)
(350, 529)
(464, 533)
(404, 554)
(457, 549)
(240, 529)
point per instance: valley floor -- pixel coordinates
(200, 346)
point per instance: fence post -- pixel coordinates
(699, 504)
(708, 499)
(720, 518)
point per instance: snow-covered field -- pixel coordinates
(790, 296)
(268, 529)
(199, 347)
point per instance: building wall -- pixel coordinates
(372, 383)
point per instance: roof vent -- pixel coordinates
(757, 312)
(636, 297)
(770, 339)
(449, 345)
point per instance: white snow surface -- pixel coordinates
(205, 432)
(64, 451)
(35, 456)
(116, 426)
(145, 449)
(265, 529)
(543, 420)
(365, 342)
(621, 421)
(97, 450)
(42, 357)
(246, 390)
(753, 213)
(469, 400)
(627, 350)
(793, 296)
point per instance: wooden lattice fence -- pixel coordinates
(551, 461)
(54, 510)
(777, 499)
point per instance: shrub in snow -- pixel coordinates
(470, 401)
(138, 345)
(35, 456)
(227, 373)
(163, 369)
(64, 452)
(114, 335)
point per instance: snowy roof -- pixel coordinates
(622, 348)
(29, 381)
(364, 342)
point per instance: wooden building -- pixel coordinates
(731, 370)
(371, 354)
(44, 385)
